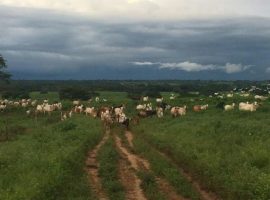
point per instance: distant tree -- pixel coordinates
(4, 76)
(73, 93)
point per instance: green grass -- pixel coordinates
(162, 167)
(51, 96)
(150, 186)
(47, 162)
(108, 159)
(228, 152)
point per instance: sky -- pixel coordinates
(136, 39)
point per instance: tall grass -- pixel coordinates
(48, 161)
(228, 152)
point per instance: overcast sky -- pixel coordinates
(136, 39)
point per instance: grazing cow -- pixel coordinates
(229, 95)
(3, 107)
(124, 120)
(76, 103)
(39, 108)
(16, 103)
(28, 112)
(78, 109)
(149, 107)
(172, 97)
(178, 111)
(64, 116)
(118, 110)
(159, 100)
(57, 106)
(262, 98)
(248, 107)
(145, 98)
(141, 107)
(34, 103)
(244, 95)
(204, 107)
(229, 107)
(70, 114)
(91, 111)
(198, 108)
(103, 109)
(24, 104)
(159, 112)
(48, 108)
(164, 105)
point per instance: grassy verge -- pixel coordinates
(48, 161)
(108, 159)
(227, 152)
(163, 168)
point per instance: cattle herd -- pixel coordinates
(111, 114)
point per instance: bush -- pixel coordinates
(72, 93)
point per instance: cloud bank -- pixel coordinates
(49, 44)
(188, 66)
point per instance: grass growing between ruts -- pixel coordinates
(108, 159)
(149, 186)
(163, 168)
(48, 161)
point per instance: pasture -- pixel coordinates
(212, 154)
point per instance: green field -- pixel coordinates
(45, 159)
(228, 153)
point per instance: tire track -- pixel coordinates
(92, 167)
(138, 163)
(205, 195)
(127, 170)
(163, 184)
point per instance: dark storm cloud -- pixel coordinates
(47, 45)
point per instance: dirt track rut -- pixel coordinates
(92, 167)
(138, 163)
(205, 195)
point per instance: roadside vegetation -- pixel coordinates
(228, 152)
(47, 161)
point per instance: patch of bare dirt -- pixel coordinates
(92, 167)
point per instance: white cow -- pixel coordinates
(90, 111)
(3, 107)
(78, 109)
(178, 111)
(229, 107)
(262, 98)
(76, 103)
(145, 98)
(248, 107)
(48, 108)
(141, 107)
(159, 112)
(204, 107)
(159, 100)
